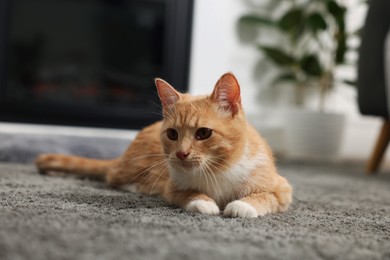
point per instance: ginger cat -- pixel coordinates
(204, 157)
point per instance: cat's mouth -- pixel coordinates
(186, 164)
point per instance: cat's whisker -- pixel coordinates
(207, 183)
(158, 166)
(156, 104)
(156, 113)
(205, 176)
(210, 172)
(146, 170)
(216, 165)
(206, 173)
(144, 156)
(225, 164)
(165, 170)
(171, 112)
(170, 115)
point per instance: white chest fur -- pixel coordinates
(225, 186)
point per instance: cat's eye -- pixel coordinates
(172, 134)
(203, 133)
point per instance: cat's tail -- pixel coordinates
(75, 165)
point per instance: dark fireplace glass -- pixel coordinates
(89, 62)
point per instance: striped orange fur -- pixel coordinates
(204, 157)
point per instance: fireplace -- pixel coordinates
(90, 62)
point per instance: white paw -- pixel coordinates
(203, 206)
(240, 209)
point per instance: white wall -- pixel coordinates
(216, 50)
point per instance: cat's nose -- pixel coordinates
(182, 155)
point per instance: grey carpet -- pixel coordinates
(338, 213)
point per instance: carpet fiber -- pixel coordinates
(337, 213)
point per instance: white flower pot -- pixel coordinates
(313, 135)
(269, 123)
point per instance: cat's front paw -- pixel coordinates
(203, 206)
(240, 209)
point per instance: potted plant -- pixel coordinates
(304, 41)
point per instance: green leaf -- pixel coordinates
(310, 65)
(316, 22)
(291, 20)
(288, 76)
(255, 20)
(358, 32)
(341, 48)
(334, 8)
(278, 56)
(350, 82)
(338, 12)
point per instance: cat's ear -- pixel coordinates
(168, 95)
(227, 94)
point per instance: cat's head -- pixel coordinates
(203, 132)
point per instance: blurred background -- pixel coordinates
(86, 68)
